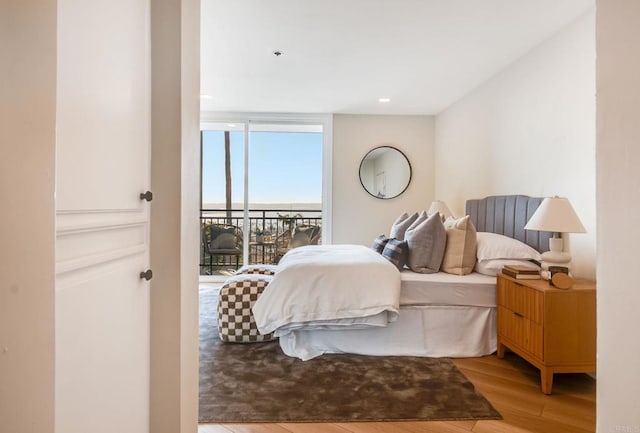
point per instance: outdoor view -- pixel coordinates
(284, 194)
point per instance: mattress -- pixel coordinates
(473, 290)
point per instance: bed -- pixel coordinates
(436, 315)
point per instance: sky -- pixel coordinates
(284, 167)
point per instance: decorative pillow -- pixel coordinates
(379, 243)
(427, 242)
(223, 238)
(396, 252)
(304, 235)
(494, 246)
(492, 267)
(422, 217)
(460, 252)
(401, 224)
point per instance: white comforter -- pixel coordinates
(328, 287)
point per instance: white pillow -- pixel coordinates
(492, 267)
(494, 246)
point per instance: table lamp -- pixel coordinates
(555, 214)
(440, 206)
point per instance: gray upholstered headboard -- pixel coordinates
(507, 215)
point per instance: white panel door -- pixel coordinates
(102, 225)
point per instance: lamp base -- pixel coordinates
(554, 257)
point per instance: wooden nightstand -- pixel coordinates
(553, 329)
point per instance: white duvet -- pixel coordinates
(328, 287)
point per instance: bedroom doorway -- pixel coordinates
(262, 179)
(265, 186)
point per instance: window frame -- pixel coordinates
(284, 119)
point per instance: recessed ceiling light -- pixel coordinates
(384, 100)
(206, 97)
(231, 125)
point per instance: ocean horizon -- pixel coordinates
(264, 210)
(266, 206)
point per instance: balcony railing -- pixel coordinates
(268, 234)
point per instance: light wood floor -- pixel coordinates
(510, 384)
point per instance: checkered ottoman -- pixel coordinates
(235, 320)
(257, 269)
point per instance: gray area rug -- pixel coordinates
(258, 383)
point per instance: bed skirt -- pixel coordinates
(430, 331)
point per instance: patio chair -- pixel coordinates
(222, 240)
(305, 235)
(298, 236)
(282, 244)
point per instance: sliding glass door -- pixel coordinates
(222, 198)
(262, 192)
(285, 188)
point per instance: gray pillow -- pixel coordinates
(401, 224)
(223, 238)
(422, 217)
(427, 242)
(304, 235)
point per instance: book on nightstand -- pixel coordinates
(530, 274)
(519, 269)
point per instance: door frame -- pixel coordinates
(326, 120)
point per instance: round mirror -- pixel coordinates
(385, 172)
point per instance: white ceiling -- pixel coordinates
(340, 56)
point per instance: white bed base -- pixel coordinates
(441, 315)
(431, 330)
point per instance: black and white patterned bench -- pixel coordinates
(237, 296)
(257, 269)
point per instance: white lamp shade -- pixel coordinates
(555, 214)
(439, 206)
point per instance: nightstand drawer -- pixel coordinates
(520, 330)
(525, 301)
(553, 329)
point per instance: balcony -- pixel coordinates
(268, 233)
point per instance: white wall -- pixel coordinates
(529, 130)
(175, 228)
(357, 216)
(190, 213)
(27, 146)
(618, 192)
